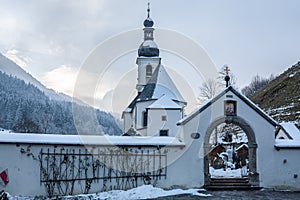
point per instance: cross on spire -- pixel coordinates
(148, 23)
(148, 10)
(226, 70)
(227, 78)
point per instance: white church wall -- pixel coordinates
(205, 118)
(127, 121)
(190, 165)
(191, 162)
(264, 134)
(185, 171)
(138, 114)
(157, 123)
(267, 158)
(285, 170)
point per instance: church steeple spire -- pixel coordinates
(148, 22)
(148, 10)
(148, 48)
(148, 54)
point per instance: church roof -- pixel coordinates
(164, 102)
(238, 94)
(291, 130)
(158, 85)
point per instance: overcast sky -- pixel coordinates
(51, 39)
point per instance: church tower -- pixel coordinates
(158, 105)
(148, 55)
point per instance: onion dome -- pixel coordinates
(148, 48)
(148, 22)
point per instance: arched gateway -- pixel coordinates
(252, 146)
(228, 108)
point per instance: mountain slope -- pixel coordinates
(280, 98)
(25, 108)
(9, 67)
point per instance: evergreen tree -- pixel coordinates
(24, 108)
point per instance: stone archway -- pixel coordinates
(252, 145)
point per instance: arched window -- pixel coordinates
(148, 70)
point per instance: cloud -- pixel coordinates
(16, 57)
(250, 37)
(52, 33)
(61, 79)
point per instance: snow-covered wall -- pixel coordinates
(97, 163)
(58, 164)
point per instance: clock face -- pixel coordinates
(149, 35)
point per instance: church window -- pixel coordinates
(164, 133)
(148, 70)
(164, 118)
(145, 118)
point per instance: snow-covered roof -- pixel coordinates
(164, 85)
(158, 85)
(105, 140)
(128, 110)
(291, 130)
(164, 102)
(215, 98)
(288, 144)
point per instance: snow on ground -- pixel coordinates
(142, 192)
(2, 130)
(228, 173)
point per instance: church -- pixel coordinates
(158, 111)
(158, 104)
(160, 145)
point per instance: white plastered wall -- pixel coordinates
(268, 159)
(156, 123)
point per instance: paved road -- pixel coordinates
(239, 195)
